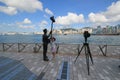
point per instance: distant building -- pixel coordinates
(38, 33)
(118, 28)
(69, 31)
(10, 33)
(104, 30)
(87, 29)
(57, 32)
(80, 31)
(94, 30)
(99, 30)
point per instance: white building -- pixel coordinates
(57, 32)
(87, 29)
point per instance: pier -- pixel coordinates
(29, 58)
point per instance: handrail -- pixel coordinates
(37, 46)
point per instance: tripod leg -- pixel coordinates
(88, 48)
(87, 59)
(79, 53)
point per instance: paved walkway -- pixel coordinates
(104, 68)
(27, 65)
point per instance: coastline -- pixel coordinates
(106, 34)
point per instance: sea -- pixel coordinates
(66, 39)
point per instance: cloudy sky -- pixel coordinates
(34, 15)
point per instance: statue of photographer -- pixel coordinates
(46, 41)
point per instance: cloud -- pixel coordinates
(113, 10)
(23, 5)
(112, 14)
(27, 21)
(8, 10)
(26, 26)
(48, 11)
(43, 24)
(97, 17)
(71, 18)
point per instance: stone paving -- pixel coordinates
(104, 67)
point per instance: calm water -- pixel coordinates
(74, 38)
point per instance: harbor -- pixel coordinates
(59, 40)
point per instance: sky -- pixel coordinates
(34, 15)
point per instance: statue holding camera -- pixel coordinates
(46, 40)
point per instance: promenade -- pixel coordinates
(104, 67)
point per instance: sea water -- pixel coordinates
(67, 39)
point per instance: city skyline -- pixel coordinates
(33, 15)
(108, 30)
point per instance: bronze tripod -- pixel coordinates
(87, 54)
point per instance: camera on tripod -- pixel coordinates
(86, 47)
(52, 19)
(86, 35)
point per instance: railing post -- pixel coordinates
(3, 47)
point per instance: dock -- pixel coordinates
(62, 67)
